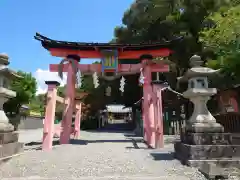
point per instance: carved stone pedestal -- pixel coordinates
(208, 151)
(9, 145)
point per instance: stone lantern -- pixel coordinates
(199, 93)
(6, 75)
(204, 144)
(8, 138)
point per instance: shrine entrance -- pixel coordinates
(111, 67)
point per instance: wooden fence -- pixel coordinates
(173, 126)
(230, 121)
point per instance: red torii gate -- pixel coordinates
(73, 51)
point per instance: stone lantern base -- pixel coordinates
(9, 145)
(212, 153)
(204, 144)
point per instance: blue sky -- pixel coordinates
(71, 20)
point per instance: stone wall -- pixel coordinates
(31, 122)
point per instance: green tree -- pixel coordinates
(154, 20)
(223, 40)
(61, 91)
(37, 104)
(25, 89)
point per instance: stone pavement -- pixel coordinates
(98, 155)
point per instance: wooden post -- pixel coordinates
(157, 90)
(68, 113)
(148, 111)
(77, 122)
(48, 130)
(156, 115)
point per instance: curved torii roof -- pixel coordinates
(48, 43)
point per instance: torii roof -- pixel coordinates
(48, 43)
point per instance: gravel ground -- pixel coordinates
(98, 155)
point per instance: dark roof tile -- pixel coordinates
(49, 43)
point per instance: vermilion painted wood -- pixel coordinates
(48, 129)
(90, 68)
(153, 133)
(121, 54)
(68, 112)
(148, 106)
(157, 97)
(77, 122)
(149, 113)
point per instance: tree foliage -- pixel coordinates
(25, 89)
(37, 104)
(154, 20)
(223, 40)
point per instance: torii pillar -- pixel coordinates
(77, 122)
(48, 129)
(148, 106)
(70, 98)
(152, 105)
(158, 113)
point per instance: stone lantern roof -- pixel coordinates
(4, 61)
(198, 70)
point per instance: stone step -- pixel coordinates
(217, 168)
(236, 139)
(212, 171)
(188, 152)
(8, 137)
(10, 149)
(223, 162)
(210, 138)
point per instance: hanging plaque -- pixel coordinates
(109, 61)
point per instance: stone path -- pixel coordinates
(98, 155)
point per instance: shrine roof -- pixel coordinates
(48, 43)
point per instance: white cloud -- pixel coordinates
(45, 75)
